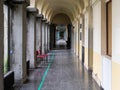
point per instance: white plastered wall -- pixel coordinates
(115, 45)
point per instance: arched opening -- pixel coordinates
(61, 26)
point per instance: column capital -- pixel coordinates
(17, 2)
(32, 10)
(49, 22)
(40, 16)
(44, 20)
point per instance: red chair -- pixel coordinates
(39, 53)
(44, 57)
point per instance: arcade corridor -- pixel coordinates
(65, 73)
(59, 44)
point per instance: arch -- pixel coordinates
(61, 18)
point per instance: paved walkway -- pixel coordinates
(65, 73)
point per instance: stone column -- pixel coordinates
(18, 29)
(46, 37)
(38, 31)
(1, 44)
(69, 36)
(48, 34)
(52, 36)
(31, 36)
(74, 41)
(43, 36)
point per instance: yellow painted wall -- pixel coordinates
(76, 38)
(97, 66)
(86, 57)
(76, 48)
(90, 61)
(115, 76)
(80, 52)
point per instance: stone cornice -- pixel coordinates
(17, 2)
(44, 20)
(11, 2)
(39, 16)
(32, 10)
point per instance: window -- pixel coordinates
(80, 35)
(109, 27)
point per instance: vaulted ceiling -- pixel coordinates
(50, 8)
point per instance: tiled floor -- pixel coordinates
(65, 73)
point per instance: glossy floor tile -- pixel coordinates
(65, 73)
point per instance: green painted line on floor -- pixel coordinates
(45, 73)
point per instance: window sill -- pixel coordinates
(108, 57)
